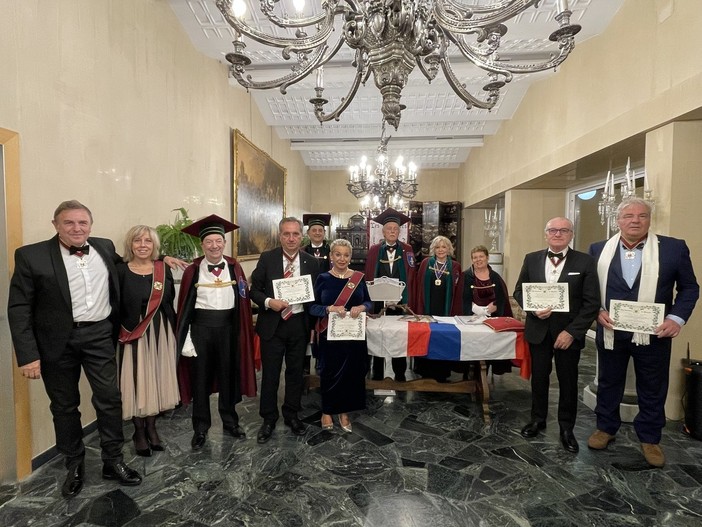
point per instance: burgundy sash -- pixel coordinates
(125, 335)
(341, 300)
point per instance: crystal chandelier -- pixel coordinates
(390, 38)
(383, 185)
(608, 204)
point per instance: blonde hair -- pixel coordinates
(133, 234)
(341, 242)
(441, 240)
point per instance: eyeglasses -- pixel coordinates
(553, 232)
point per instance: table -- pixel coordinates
(444, 340)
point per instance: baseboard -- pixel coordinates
(51, 453)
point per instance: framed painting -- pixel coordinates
(258, 185)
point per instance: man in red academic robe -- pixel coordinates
(214, 306)
(394, 259)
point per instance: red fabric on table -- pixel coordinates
(522, 358)
(418, 334)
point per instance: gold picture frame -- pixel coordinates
(258, 188)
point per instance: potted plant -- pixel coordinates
(175, 242)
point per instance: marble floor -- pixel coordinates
(416, 459)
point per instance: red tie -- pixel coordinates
(289, 268)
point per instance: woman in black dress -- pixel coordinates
(342, 363)
(148, 356)
(485, 294)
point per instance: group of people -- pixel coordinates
(73, 301)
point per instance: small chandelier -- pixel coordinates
(390, 38)
(383, 185)
(608, 204)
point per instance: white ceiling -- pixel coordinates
(436, 129)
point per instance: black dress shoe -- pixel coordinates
(74, 482)
(235, 431)
(265, 433)
(569, 442)
(296, 426)
(533, 428)
(122, 473)
(198, 440)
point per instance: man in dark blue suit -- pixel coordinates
(284, 329)
(63, 312)
(636, 265)
(558, 336)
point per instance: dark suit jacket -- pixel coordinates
(39, 307)
(675, 273)
(269, 268)
(580, 272)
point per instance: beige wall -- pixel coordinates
(115, 107)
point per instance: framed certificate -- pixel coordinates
(538, 296)
(642, 317)
(346, 328)
(296, 290)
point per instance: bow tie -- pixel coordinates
(80, 251)
(390, 247)
(211, 267)
(555, 255)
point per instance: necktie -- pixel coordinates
(289, 270)
(79, 251)
(216, 269)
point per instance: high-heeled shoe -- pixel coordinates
(327, 426)
(158, 447)
(152, 435)
(143, 452)
(346, 427)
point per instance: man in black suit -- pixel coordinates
(558, 335)
(63, 308)
(284, 329)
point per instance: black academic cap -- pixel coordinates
(211, 224)
(389, 215)
(316, 219)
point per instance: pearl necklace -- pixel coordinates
(337, 275)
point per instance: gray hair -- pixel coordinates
(630, 202)
(289, 219)
(440, 240)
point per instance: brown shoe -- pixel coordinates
(653, 454)
(599, 440)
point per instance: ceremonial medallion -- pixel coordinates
(437, 282)
(158, 286)
(81, 264)
(629, 255)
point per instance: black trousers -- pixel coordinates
(289, 343)
(217, 365)
(92, 348)
(542, 357)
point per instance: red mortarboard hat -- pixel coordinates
(211, 224)
(389, 215)
(316, 219)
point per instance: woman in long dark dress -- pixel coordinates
(342, 363)
(439, 285)
(148, 356)
(485, 293)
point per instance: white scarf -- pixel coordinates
(647, 286)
